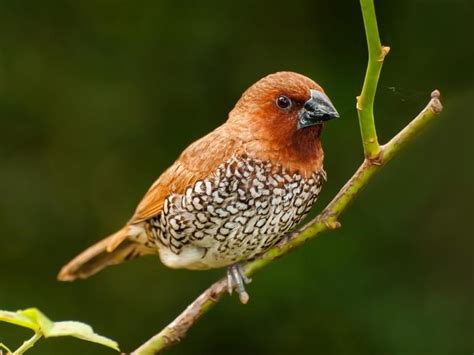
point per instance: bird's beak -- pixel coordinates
(316, 110)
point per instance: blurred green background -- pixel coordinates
(97, 98)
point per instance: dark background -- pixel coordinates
(97, 98)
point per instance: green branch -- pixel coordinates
(365, 102)
(376, 157)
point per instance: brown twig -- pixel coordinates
(376, 156)
(327, 219)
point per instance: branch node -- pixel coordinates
(435, 103)
(332, 223)
(358, 104)
(383, 53)
(213, 296)
(377, 159)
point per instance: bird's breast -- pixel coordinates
(237, 213)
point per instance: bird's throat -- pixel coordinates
(300, 151)
(306, 146)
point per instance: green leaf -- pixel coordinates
(81, 331)
(19, 319)
(35, 320)
(37, 317)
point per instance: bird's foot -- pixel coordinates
(236, 277)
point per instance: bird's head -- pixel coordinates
(285, 109)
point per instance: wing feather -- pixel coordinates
(197, 162)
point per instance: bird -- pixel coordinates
(232, 194)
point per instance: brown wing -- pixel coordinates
(197, 161)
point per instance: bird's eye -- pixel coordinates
(283, 102)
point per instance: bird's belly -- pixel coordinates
(235, 215)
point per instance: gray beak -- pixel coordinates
(316, 110)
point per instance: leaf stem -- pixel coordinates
(3, 346)
(28, 344)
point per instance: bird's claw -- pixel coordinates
(236, 277)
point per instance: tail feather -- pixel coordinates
(117, 238)
(109, 251)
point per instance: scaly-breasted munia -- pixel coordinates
(232, 194)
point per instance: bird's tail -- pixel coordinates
(114, 249)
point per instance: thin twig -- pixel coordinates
(28, 344)
(3, 346)
(376, 157)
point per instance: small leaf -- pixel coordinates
(81, 331)
(34, 319)
(37, 317)
(19, 319)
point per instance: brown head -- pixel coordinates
(282, 116)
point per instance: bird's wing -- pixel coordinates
(197, 162)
